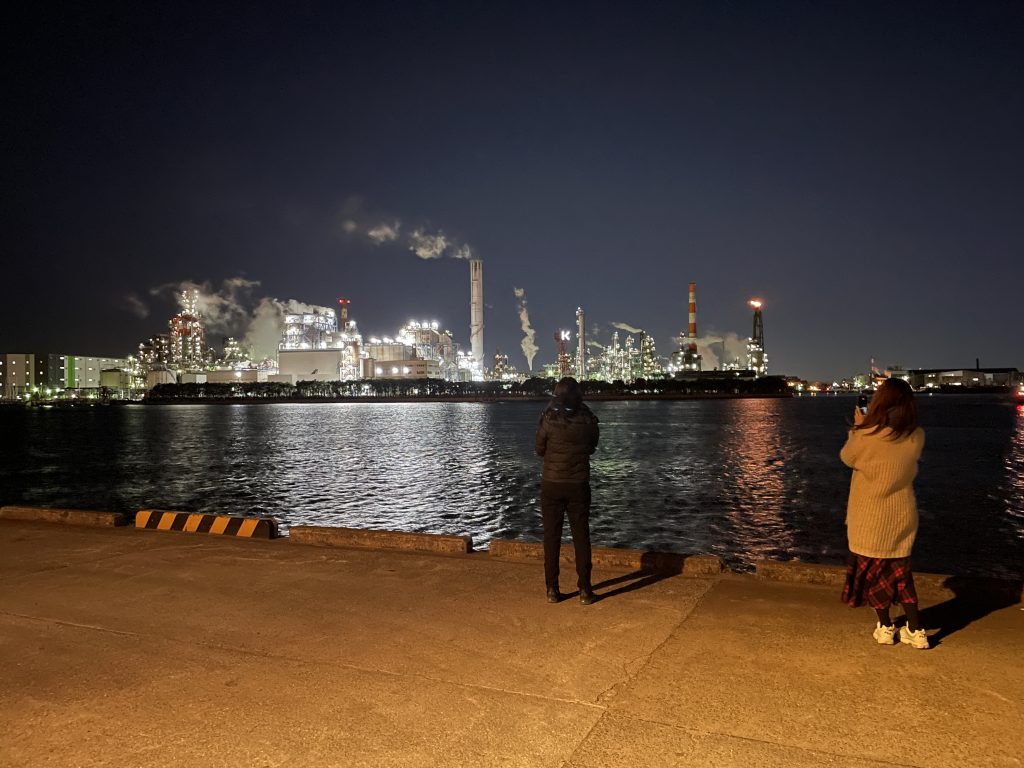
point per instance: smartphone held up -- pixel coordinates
(862, 403)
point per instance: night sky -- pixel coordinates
(858, 166)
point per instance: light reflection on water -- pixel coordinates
(743, 479)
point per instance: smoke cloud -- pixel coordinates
(628, 328)
(266, 323)
(223, 310)
(378, 229)
(383, 233)
(232, 310)
(428, 245)
(136, 306)
(527, 344)
(718, 351)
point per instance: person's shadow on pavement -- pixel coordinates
(972, 599)
(654, 566)
(629, 582)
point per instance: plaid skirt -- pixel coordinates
(878, 581)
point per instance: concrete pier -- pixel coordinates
(136, 648)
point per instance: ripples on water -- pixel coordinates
(743, 479)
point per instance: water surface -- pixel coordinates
(743, 479)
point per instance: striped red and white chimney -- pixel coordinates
(692, 330)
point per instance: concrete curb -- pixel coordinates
(65, 516)
(936, 583)
(358, 538)
(634, 559)
(831, 575)
(194, 522)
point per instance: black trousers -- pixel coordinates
(557, 500)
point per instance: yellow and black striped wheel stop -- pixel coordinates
(195, 522)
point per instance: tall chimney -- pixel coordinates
(581, 340)
(692, 329)
(476, 310)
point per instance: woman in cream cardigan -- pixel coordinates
(882, 449)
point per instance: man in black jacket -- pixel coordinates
(567, 435)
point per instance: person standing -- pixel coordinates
(567, 435)
(883, 448)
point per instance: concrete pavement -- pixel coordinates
(124, 647)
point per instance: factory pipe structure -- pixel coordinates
(757, 360)
(476, 310)
(581, 341)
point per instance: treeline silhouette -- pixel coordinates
(428, 389)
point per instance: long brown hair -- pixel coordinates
(893, 406)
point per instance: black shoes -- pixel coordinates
(587, 596)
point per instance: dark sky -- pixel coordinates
(858, 166)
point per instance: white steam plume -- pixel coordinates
(384, 233)
(231, 310)
(627, 328)
(428, 245)
(718, 351)
(382, 229)
(527, 344)
(223, 310)
(136, 306)
(266, 323)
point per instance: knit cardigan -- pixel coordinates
(881, 514)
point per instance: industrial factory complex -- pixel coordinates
(322, 344)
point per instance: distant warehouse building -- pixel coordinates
(22, 374)
(938, 378)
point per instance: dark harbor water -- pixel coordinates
(743, 479)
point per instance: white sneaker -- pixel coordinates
(917, 639)
(884, 635)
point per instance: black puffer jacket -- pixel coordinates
(566, 438)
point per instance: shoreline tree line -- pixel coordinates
(429, 389)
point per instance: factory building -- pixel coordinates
(503, 370)
(420, 350)
(314, 364)
(628, 362)
(30, 374)
(403, 369)
(243, 375)
(314, 348)
(182, 349)
(187, 337)
(966, 378)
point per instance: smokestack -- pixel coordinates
(581, 350)
(476, 310)
(344, 312)
(692, 329)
